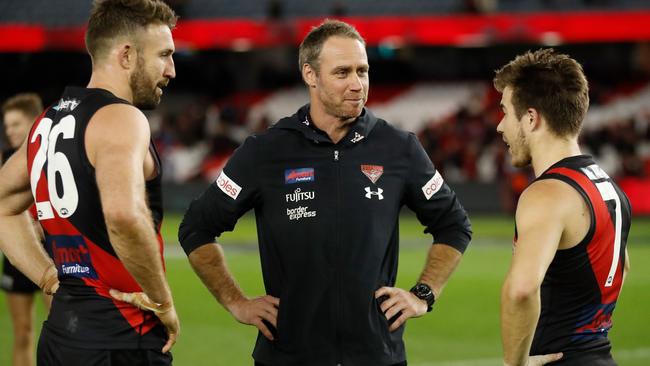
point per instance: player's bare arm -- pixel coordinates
(17, 227)
(626, 269)
(548, 218)
(117, 142)
(210, 265)
(441, 262)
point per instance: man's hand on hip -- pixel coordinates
(539, 360)
(399, 300)
(165, 312)
(543, 359)
(256, 311)
(49, 281)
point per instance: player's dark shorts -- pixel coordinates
(51, 352)
(14, 281)
(582, 359)
(397, 364)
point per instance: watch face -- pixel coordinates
(422, 291)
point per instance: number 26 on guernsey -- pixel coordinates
(66, 203)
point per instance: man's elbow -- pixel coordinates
(121, 216)
(519, 291)
(12, 205)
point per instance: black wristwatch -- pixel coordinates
(423, 291)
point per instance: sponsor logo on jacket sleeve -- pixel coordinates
(227, 186)
(433, 185)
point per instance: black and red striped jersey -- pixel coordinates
(582, 283)
(68, 204)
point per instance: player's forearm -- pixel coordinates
(519, 315)
(210, 265)
(134, 241)
(442, 261)
(626, 267)
(19, 242)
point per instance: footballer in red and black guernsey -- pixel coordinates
(93, 173)
(570, 258)
(582, 284)
(76, 237)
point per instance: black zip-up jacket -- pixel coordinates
(327, 224)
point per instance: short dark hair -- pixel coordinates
(312, 45)
(28, 103)
(552, 83)
(113, 18)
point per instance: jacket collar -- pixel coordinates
(301, 122)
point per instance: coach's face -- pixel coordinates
(512, 130)
(342, 80)
(155, 66)
(17, 125)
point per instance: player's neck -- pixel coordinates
(552, 150)
(334, 127)
(103, 78)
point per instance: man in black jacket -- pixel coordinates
(327, 185)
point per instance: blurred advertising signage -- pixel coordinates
(545, 28)
(637, 190)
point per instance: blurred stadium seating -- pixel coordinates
(432, 63)
(74, 12)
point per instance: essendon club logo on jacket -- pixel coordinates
(373, 172)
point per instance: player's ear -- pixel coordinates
(126, 55)
(309, 75)
(533, 119)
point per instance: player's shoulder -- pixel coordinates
(549, 197)
(272, 137)
(119, 113)
(386, 129)
(119, 121)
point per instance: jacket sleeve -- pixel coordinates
(434, 203)
(231, 195)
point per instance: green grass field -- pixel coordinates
(462, 330)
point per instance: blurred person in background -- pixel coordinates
(19, 113)
(327, 185)
(91, 167)
(571, 224)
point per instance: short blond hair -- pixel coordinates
(28, 103)
(312, 45)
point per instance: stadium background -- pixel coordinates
(431, 66)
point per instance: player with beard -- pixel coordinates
(91, 168)
(570, 258)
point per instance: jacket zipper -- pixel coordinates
(337, 259)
